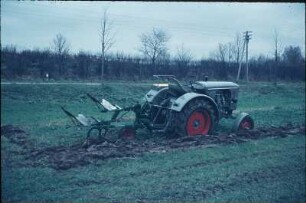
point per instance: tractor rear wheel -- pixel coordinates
(196, 118)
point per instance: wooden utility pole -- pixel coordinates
(247, 37)
(240, 62)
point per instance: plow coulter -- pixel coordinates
(170, 108)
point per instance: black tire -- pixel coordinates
(198, 117)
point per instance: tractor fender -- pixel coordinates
(181, 101)
(152, 94)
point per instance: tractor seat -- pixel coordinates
(177, 89)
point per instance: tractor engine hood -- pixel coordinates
(201, 85)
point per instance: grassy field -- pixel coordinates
(270, 169)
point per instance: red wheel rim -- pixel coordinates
(245, 125)
(127, 133)
(198, 123)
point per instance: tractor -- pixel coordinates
(171, 108)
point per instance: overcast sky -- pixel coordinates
(200, 26)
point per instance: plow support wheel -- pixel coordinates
(243, 122)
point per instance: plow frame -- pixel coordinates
(142, 119)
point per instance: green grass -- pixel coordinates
(36, 108)
(260, 170)
(32, 106)
(264, 171)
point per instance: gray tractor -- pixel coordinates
(171, 108)
(192, 109)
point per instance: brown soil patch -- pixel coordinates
(14, 134)
(66, 157)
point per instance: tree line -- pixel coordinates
(222, 64)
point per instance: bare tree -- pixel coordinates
(276, 45)
(183, 56)
(222, 52)
(236, 51)
(154, 44)
(60, 44)
(182, 59)
(61, 48)
(276, 55)
(221, 55)
(107, 40)
(237, 48)
(292, 55)
(9, 63)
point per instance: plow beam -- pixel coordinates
(79, 120)
(106, 105)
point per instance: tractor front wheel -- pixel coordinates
(197, 118)
(243, 122)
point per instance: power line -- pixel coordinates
(202, 30)
(33, 8)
